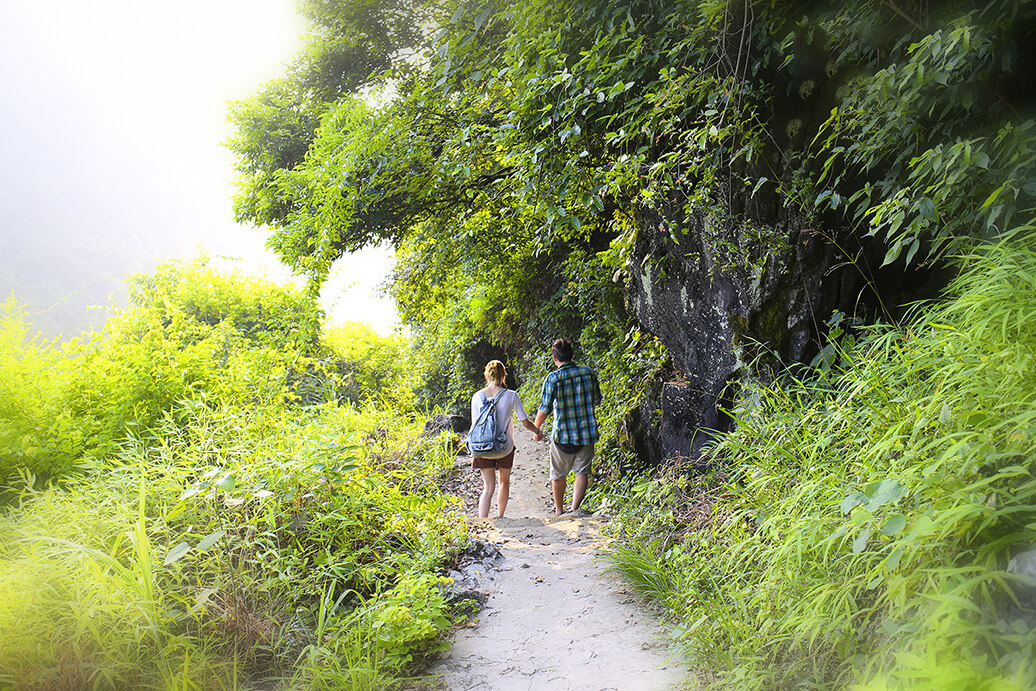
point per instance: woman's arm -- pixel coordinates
(527, 424)
(523, 418)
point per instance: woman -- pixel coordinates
(507, 402)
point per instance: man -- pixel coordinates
(571, 391)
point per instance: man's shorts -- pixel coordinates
(561, 463)
(507, 461)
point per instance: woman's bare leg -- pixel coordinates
(488, 485)
(505, 491)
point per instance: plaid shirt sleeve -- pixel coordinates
(547, 394)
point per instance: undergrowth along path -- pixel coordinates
(556, 618)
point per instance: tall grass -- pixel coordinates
(203, 558)
(865, 531)
(237, 504)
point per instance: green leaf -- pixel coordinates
(992, 197)
(892, 254)
(894, 525)
(176, 553)
(210, 539)
(884, 492)
(758, 184)
(190, 492)
(852, 500)
(227, 483)
(860, 543)
(892, 563)
(913, 250)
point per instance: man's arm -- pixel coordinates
(546, 405)
(541, 417)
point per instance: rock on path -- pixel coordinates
(555, 618)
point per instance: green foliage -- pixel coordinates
(236, 540)
(367, 365)
(544, 132)
(36, 438)
(865, 528)
(349, 46)
(944, 155)
(245, 512)
(264, 313)
(465, 302)
(410, 618)
(193, 337)
(560, 124)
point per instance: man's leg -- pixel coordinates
(560, 464)
(558, 486)
(581, 466)
(578, 490)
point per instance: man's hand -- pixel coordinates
(539, 436)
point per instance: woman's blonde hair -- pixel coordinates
(495, 372)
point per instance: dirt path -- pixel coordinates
(555, 618)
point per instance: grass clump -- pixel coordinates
(861, 528)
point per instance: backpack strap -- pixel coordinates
(488, 406)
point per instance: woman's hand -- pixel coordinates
(537, 434)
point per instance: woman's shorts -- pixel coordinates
(561, 462)
(504, 462)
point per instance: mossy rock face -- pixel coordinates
(718, 293)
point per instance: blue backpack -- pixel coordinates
(485, 440)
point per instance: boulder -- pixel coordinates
(441, 423)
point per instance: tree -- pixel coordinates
(554, 128)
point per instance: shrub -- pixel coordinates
(36, 437)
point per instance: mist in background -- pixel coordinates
(112, 120)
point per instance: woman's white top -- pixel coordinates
(507, 402)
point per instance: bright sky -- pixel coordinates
(112, 119)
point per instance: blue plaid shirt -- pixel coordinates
(571, 392)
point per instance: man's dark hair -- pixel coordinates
(562, 350)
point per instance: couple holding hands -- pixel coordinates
(570, 393)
